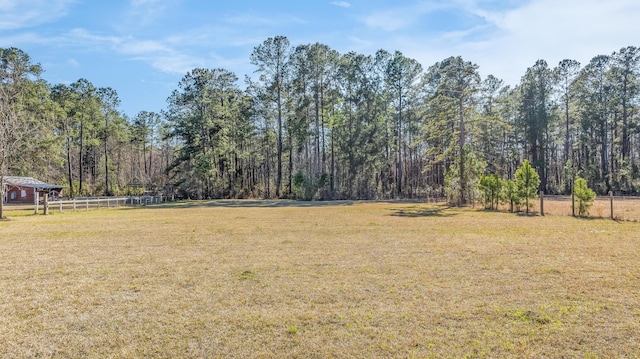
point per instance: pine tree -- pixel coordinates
(528, 182)
(585, 196)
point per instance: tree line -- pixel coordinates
(313, 123)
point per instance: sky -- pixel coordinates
(142, 48)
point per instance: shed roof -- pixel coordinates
(30, 182)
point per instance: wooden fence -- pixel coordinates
(93, 203)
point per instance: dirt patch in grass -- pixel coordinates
(356, 280)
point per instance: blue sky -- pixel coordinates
(142, 48)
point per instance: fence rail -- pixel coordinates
(92, 203)
(625, 208)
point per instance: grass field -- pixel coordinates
(317, 280)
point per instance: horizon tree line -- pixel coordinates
(317, 124)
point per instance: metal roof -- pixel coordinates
(30, 182)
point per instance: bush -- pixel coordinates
(584, 195)
(306, 189)
(528, 182)
(299, 185)
(490, 186)
(510, 194)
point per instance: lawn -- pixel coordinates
(249, 279)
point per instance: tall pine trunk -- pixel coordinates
(279, 145)
(461, 143)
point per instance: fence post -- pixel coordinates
(46, 204)
(87, 203)
(36, 200)
(611, 203)
(542, 203)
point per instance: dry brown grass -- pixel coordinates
(626, 209)
(282, 279)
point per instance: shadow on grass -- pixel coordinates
(243, 203)
(420, 211)
(596, 218)
(530, 214)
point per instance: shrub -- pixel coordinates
(585, 196)
(528, 182)
(510, 195)
(305, 188)
(490, 186)
(299, 184)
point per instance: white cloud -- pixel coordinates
(175, 63)
(557, 30)
(143, 13)
(159, 54)
(396, 18)
(143, 2)
(86, 39)
(18, 14)
(252, 20)
(73, 63)
(137, 47)
(512, 38)
(343, 4)
(23, 38)
(359, 44)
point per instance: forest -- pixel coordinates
(312, 123)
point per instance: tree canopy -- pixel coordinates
(317, 124)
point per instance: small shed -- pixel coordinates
(28, 189)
